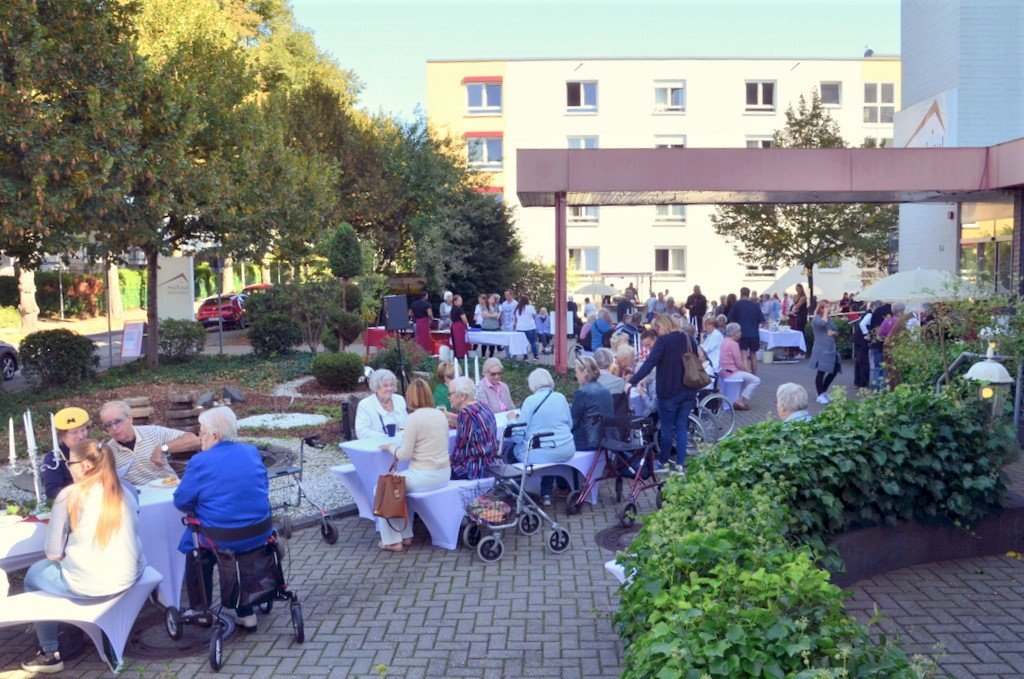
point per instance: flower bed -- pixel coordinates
(730, 579)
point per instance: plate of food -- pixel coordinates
(166, 482)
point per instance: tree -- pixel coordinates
(68, 132)
(487, 246)
(345, 260)
(806, 234)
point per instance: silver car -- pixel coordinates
(8, 361)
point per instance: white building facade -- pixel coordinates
(649, 103)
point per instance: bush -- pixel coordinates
(181, 340)
(726, 581)
(10, 317)
(274, 333)
(412, 356)
(347, 326)
(59, 357)
(205, 280)
(339, 371)
(844, 338)
(133, 284)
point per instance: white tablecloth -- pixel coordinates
(160, 526)
(783, 338)
(516, 342)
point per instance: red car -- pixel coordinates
(231, 310)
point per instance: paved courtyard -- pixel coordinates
(434, 613)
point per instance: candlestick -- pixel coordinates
(53, 433)
(10, 440)
(456, 368)
(476, 369)
(465, 360)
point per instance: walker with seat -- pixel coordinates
(253, 578)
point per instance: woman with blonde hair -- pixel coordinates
(92, 544)
(625, 360)
(425, 445)
(445, 375)
(824, 355)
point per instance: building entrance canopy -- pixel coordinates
(561, 177)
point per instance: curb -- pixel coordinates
(311, 520)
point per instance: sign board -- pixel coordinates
(175, 288)
(930, 123)
(131, 339)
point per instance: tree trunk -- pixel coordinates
(115, 309)
(27, 299)
(265, 273)
(153, 324)
(227, 276)
(811, 303)
(241, 267)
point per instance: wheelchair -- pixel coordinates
(253, 578)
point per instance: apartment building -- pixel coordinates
(499, 106)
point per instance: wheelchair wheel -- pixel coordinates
(265, 607)
(471, 535)
(217, 648)
(724, 414)
(172, 622)
(558, 541)
(628, 516)
(297, 625)
(287, 528)
(529, 523)
(490, 549)
(328, 531)
(573, 502)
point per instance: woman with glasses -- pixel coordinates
(491, 391)
(383, 412)
(92, 544)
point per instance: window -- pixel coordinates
(585, 259)
(879, 102)
(670, 214)
(582, 214)
(878, 142)
(760, 95)
(670, 141)
(760, 142)
(484, 153)
(484, 97)
(670, 260)
(670, 96)
(581, 97)
(756, 271)
(582, 142)
(831, 93)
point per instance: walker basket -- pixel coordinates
(486, 507)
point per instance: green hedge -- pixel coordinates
(339, 371)
(133, 284)
(84, 294)
(10, 317)
(726, 580)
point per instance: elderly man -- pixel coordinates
(791, 403)
(145, 447)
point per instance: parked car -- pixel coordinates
(232, 311)
(8, 361)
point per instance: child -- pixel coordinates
(544, 331)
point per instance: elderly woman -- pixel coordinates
(445, 375)
(591, 403)
(675, 400)
(72, 426)
(425, 445)
(824, 356)
(585, 328)
(476, 444)
(445, 311)
(545, 410)
(625, 362)
(491, 391)
(382, 413)
(605, 358)
(731, 364)
(226, 487)
(601, 326)
(92, 543)
(712, 344)
(791, 403)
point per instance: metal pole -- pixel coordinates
(110, 334)
(60, 287)
(561, 283)
(220, 313)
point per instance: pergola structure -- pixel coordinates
(560, 177)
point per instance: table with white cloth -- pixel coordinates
(784, 339)
(22, 543)
(515, 342)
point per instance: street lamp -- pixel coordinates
(993, 378)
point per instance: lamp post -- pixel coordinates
(993, 378)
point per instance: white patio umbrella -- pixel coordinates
(918, 285)
(826, 285)
(597, 289)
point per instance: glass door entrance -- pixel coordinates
(986, 245)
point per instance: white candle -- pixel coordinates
(456, 368)
(30, 435)
(53, 433)
(10, 440)
(465, 360)
(476, 369)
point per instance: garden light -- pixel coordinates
(994, 378)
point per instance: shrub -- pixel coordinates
(345, 326)
(726, 576)
(339, 371)
(10, 317)
(59, 357)
(205, 280)
(274, 333)
(844, 338)
(412, 356)
(133, 288)
(181, 340)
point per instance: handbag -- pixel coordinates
(694, 375)
(389, 499)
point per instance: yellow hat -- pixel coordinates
(70, 418)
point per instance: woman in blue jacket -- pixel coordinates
(546, 410)
(226, 487)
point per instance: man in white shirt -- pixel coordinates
(588, 308)
(146, 447)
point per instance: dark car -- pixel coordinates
(231, 310)
(8, 361)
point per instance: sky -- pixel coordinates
(388, 42)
